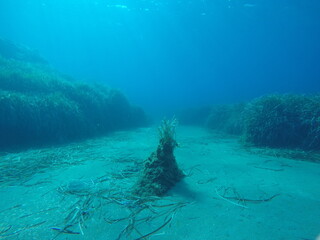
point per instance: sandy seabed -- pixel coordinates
(82, 191)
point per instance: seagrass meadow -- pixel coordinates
(289, 121)
(39, 105)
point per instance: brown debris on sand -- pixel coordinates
(161, 171)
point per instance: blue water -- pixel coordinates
(164, 55)
(170, 54)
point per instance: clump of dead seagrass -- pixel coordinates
(160, 171)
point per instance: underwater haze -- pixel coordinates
(85, 83)
(170, 54)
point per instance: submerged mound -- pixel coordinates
(277, 121)
(195, 116)
(10, 50)
(284, 121)
(39, 106)
(225, 118)
(161, 171)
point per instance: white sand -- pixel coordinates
(219, 167)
